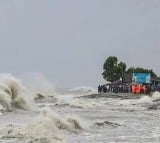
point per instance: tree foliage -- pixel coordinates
(114, 70)
(121, 69)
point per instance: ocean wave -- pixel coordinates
(12, 94)
(48, 127)
(83, 89)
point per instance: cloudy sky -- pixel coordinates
(69, 40)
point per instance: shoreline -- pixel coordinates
(115, 95)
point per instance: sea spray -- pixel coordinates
(83, 90)
(5, 101)
(70, 122)
(77, 103)
(48, 127)
(150, 99)
(32, 135)
(156, 96)
(13, 94)
(145, 100)
(76, 123)
(38, 85)
(156, 101)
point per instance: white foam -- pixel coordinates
(83, 89)
(47, 127)
(61, 122)
(13, 94)
(35, 133)
(125, 102)
(50, 125)
(156, 95)
(145, 100)
(38, 84)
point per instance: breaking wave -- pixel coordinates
(83, 89)
(38, 85)
(145, 100)
(48, 127)
(150, 99)
(151, 102)
(12, 94)
(156, 96)
(32, 135)
(155, 101)
(70, 123)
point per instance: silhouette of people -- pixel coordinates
(99, 89)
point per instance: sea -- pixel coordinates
(36, 112)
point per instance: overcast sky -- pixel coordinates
(69, 40)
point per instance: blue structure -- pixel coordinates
(141, 78)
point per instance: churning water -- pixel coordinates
(40, 115)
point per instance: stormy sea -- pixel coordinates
(35, 112)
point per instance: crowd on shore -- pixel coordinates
(128, 88)
(122, 88)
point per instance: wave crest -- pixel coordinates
(12, 93)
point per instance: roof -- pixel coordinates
(155, 79)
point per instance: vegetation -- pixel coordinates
(113, 70)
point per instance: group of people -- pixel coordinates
(144, 88)
(128, 88)
(116, 88)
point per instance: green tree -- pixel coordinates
(121, 69)
(112, 70)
